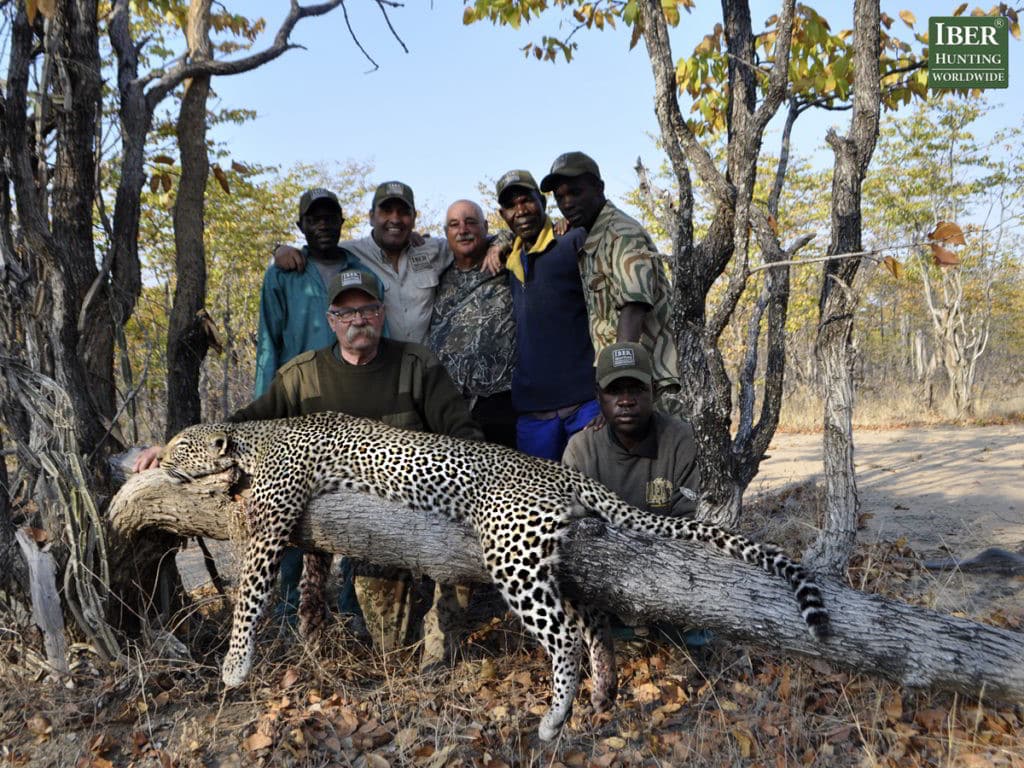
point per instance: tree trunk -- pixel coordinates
(834, 345)
(186, 338)
(726, 466)
(633, 575)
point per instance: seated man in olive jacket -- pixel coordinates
(646, 457)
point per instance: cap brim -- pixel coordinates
(643, 378)
(337, 294)
(549, 182)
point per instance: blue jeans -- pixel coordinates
(547, 437)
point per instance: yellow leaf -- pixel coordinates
(615, 742)
(30, 11)
(894, 267)
(908, 18)
(744, 739)
(1015, 30)
(947, 232)
(960, 9)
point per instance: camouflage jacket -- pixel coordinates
(620, 265)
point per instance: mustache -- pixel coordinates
(354, 332)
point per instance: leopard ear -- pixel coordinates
(218, 444)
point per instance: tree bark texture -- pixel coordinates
(837, 302)
(635, 576)
(187, 341)
(726, 465)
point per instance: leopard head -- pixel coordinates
(204, 449)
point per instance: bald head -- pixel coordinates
(466, 229)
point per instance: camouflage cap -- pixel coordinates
(569, 164)
(394, 190)
(624, 360)
(311, 196)
(516, 179)
(352, 279)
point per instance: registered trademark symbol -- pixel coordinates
(1000, 22)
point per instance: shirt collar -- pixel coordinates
(545, 240)
(646, 448)
(601, 223)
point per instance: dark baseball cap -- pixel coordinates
(569, 164)
(311, 196)
(394, 190)
(516, 179)
(352, 279)
(625, 360)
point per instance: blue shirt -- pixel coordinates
(555, 367)
(293, 315)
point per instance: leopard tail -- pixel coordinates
(613, 510)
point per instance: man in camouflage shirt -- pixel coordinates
(624, 278)
(472, 331)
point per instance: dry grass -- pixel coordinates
(900, 405)
(344, 704)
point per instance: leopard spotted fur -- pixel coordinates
(518, 505)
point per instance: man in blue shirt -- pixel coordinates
(553, 380)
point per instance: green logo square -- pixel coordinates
(968, 52)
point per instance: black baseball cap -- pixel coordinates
(311, 196)
(625, 360)
(394, 190)
(516, 179)
(569, 164)
(352, 279)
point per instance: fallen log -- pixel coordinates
(636, 576)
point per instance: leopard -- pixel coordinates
(519, 506)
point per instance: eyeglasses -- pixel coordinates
(366, 312)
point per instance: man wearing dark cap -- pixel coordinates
(627, 287)
(361, 373)
(646, 457)
(410, 272)
(552, 383)
(291, 303)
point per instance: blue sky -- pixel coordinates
(464, 105)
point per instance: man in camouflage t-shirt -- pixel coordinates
(471, 330)
(624, 278)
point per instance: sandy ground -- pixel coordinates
(946, 489)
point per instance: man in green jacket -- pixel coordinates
(363, 374)
(647, 458)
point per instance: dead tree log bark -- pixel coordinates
(633, 575)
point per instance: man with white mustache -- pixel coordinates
(408, 264)
(364, 374)
(472, 331)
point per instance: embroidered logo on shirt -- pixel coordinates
(419, 261)
(659, 491)
(623, 358)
